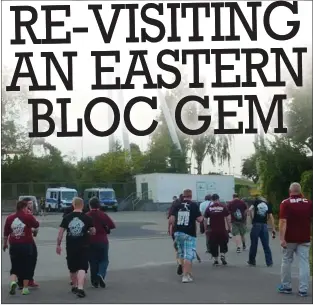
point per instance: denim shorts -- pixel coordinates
(186, 246)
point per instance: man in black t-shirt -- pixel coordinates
(78, 227)
(184, 217)
(261, 212)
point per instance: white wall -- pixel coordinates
(169, 185)
(151, 179)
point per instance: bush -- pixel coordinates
(306, 183)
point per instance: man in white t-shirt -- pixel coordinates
(203, 206)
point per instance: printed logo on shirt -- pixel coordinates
(183, 216)
(216, 209)
(262, 209)
(17, 227)
(295, 200)
(238, 215)
(75, 227)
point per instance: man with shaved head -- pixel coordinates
(78, 227)
(295, 217)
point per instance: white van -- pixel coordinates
(60, 198)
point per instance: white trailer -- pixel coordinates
(162, 187)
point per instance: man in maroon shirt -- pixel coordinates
(18, 232)
(99, 243)
(219, 235)
(32, 282)
(238, 212)
(295, 236)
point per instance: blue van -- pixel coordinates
(106, 196)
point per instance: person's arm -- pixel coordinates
(199, 217)
(6, 234)
(90, 225)
(32, 221)
(206, 216)
(227, 219)
(251, 211)
(63, 227)
(109, 222)
(283, 208)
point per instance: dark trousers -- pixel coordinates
(218, 244)
(260, 230)
(207, 238)
(33, 263)
(21, 260)
(98, 260)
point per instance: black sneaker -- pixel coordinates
(101, 281)
(74, 290)
(216, 263)
(179, 269)
(80, 293)
(94, 284)
(243, 247)
(238, 250)
(223, 260)
(251, 264)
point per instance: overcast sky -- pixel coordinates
(142, 115)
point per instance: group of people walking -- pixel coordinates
(220, 222)
(86, 245)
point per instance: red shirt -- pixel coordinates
(18, 227)
(235, 205)
(100, 219)
(298, 212)
(217, 213)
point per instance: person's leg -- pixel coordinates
(179, 241)
(15, 262)
(26, 267)
(223, 250)
(189, 255)
(214, 249)
(302, 252)
(286, 262)
(103, 264)
(243, 230)
(207, 238)
(254, 237)
(236, 234)
(264, 236)
(32, 283)
(93, 262)
(82, 266)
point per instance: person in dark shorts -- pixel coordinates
(18, 232)
(78, 227)
(184, 217)
(238, 212)
(171, 232)
(219, 235)
(99, 243)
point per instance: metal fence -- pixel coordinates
(13, 190)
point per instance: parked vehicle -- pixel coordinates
(106, 196)
(34, 200)
(60, 198)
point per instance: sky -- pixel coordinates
(142, 115)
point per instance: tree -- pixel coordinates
(299, 114)
(249, 168)
(280, 163)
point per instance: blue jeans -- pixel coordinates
(98, 260)
(302, 251)
(260, 230)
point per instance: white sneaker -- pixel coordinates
(187, 279)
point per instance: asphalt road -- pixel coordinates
(143, 270)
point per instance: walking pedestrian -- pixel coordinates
(295, 217)
(32, 283)
(18, 232)
(220, 227)
(184, 217)
(238, 212)
(260, 213)
(78, 227)
(99, 243)
(171, 232)
(205, 226)
(42, 206)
